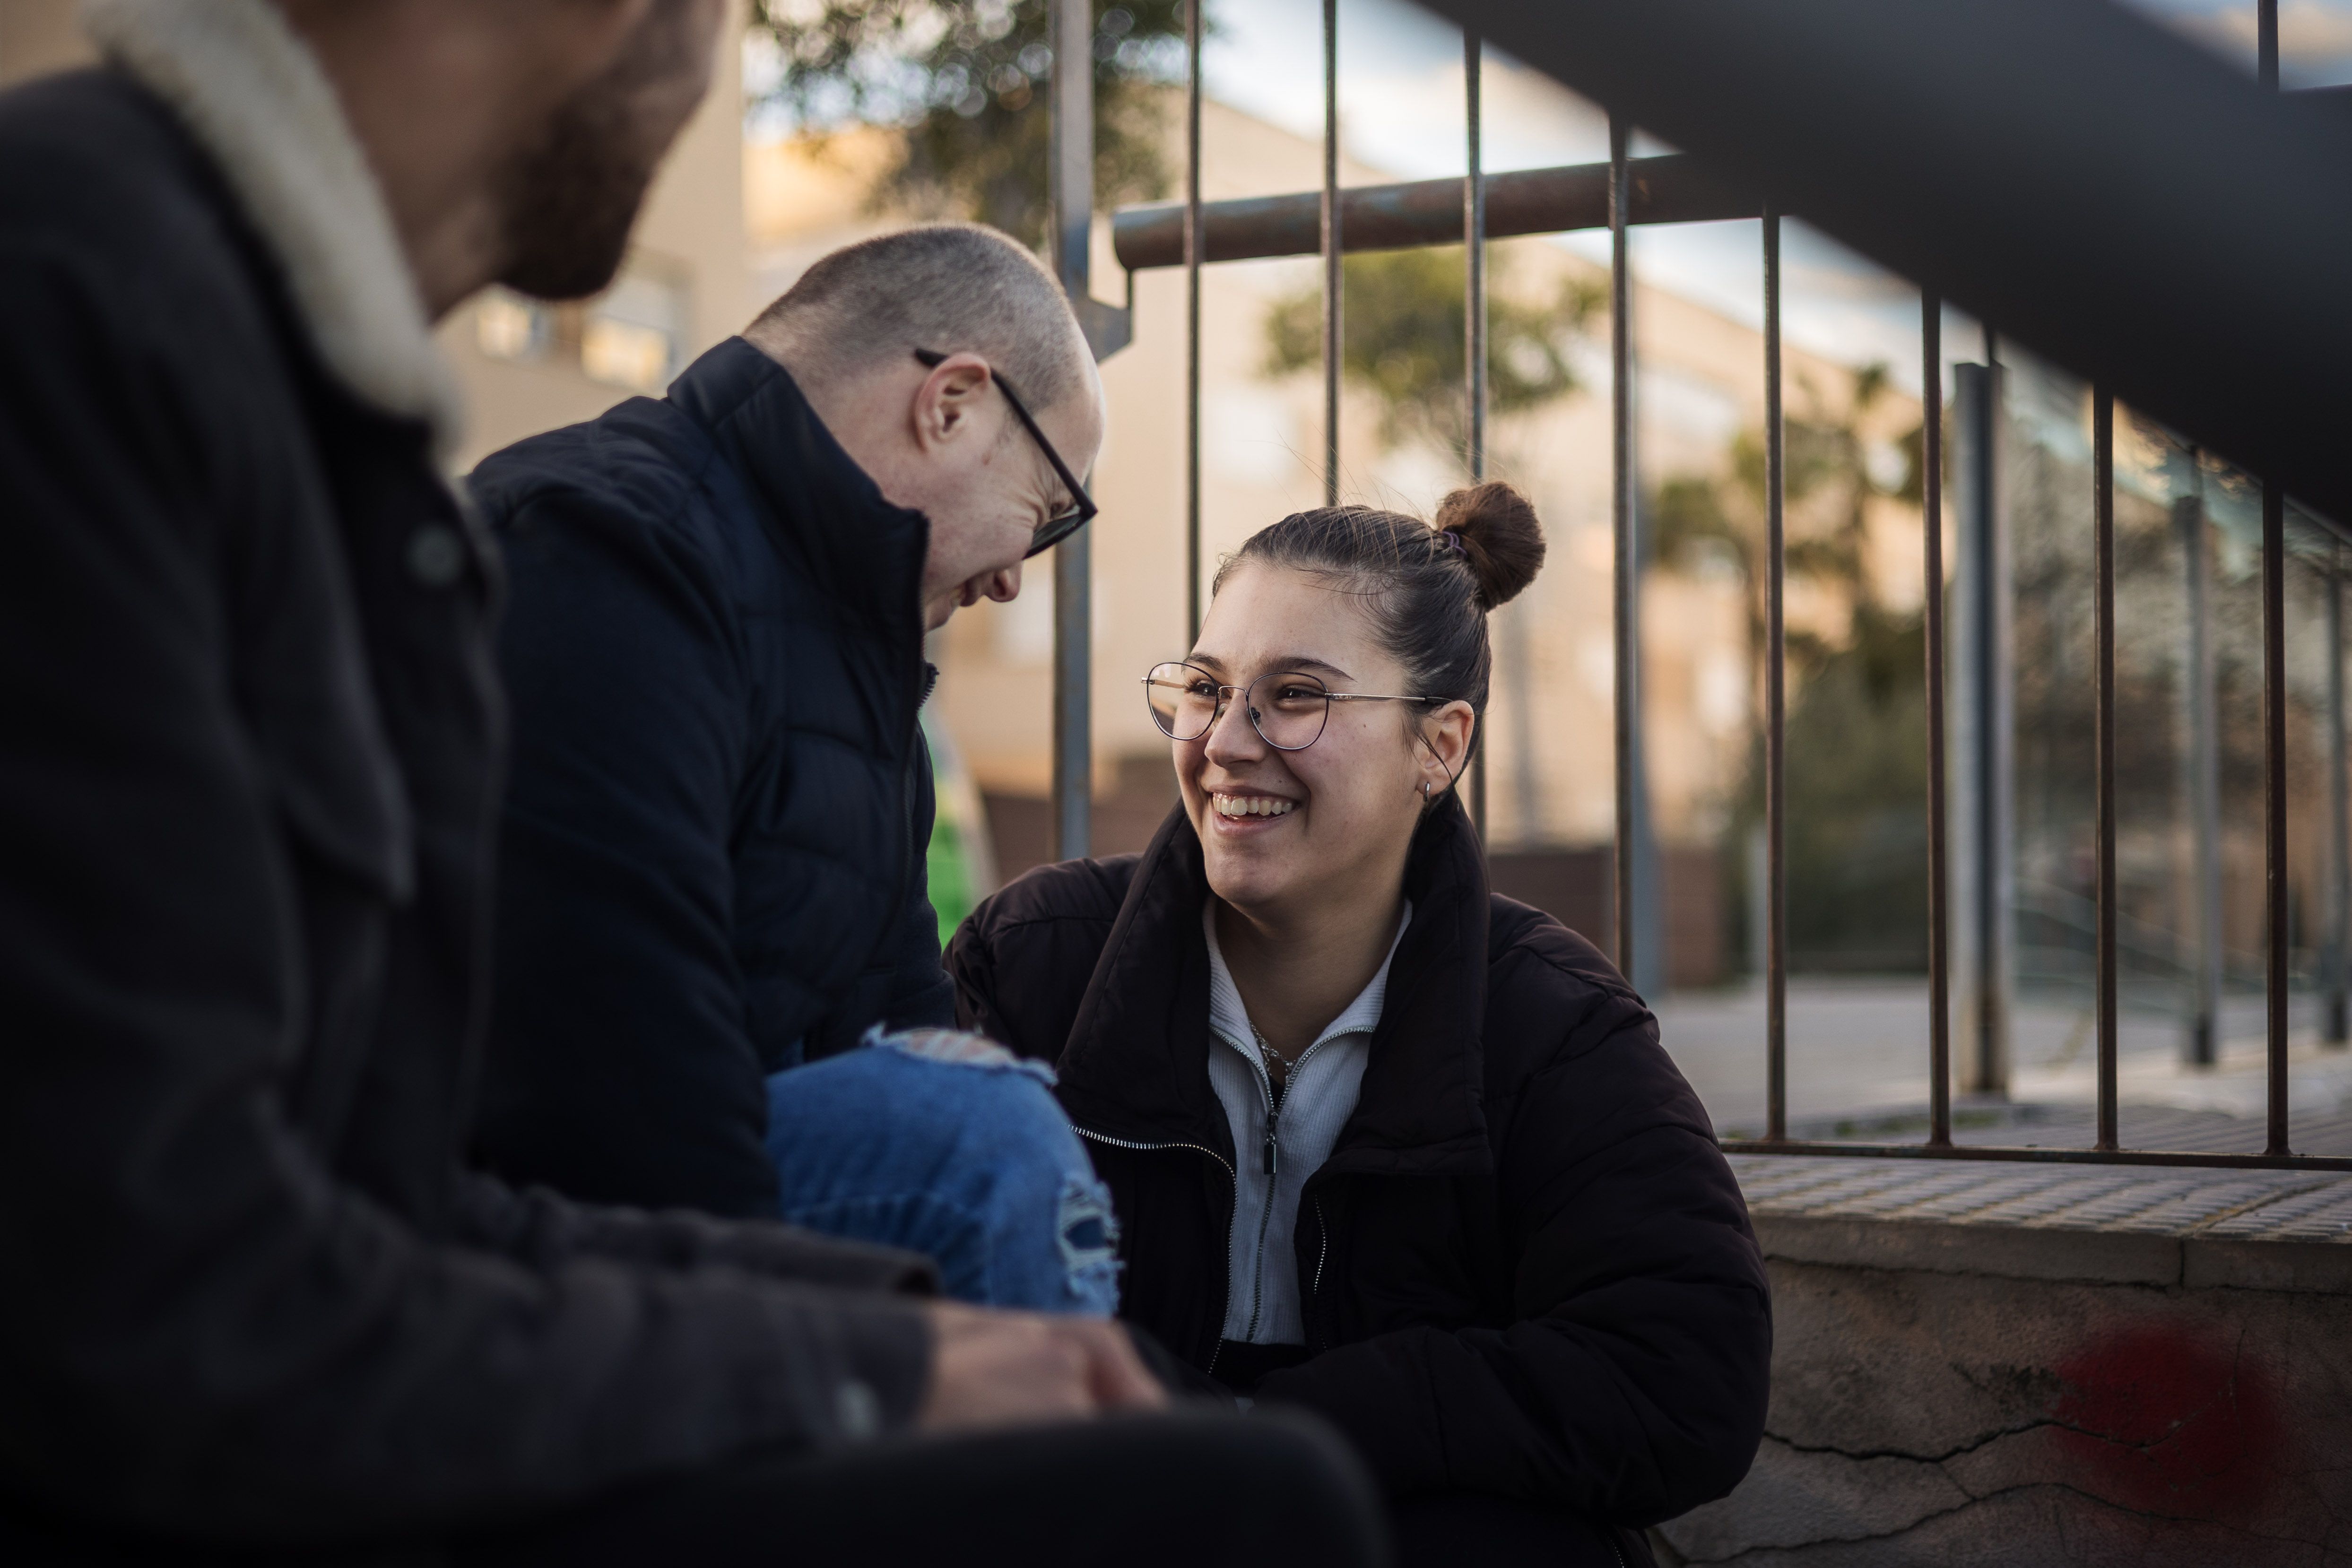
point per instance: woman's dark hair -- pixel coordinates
(1426, 586)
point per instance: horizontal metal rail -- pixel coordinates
(2030, 1155)
(1674, 188)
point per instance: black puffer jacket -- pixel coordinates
(1524, 1270)
(713, 860)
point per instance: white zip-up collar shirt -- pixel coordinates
(1262, 1305)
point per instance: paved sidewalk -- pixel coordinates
(1858, 1057)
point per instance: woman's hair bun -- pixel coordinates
(1500, 537)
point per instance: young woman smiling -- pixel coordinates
(1383, 1143)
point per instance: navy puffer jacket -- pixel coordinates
(712, 862)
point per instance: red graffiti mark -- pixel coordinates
(2167, 1422)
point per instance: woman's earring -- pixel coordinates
(1424, 791)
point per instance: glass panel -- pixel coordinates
(2319, 1077)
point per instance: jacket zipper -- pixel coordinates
(1315, 1345)
(1272, 1149)
(1273, 1168)
(1273, 1157)
(1218, 1345)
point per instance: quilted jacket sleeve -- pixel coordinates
(541, 1229)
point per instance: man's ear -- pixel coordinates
(948, 398)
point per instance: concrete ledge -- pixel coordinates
(2263, 1230)
(2309, 1267)
(1942, 1247)
(2014, 1365)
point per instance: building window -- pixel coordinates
(634, 333)
(506, 326)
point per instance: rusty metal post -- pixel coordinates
(1931, 516)
(2275, 882)
(1473, 335)
(1192, 258)
(2202, 1042)
(2103, 806)
(1776, 705)
(1670, 188)
(2275, 879)
(1626, 581)
(2336, 963)
(1073, 162)
(1332, 290)
(1983, 733)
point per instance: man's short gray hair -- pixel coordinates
(950, 287)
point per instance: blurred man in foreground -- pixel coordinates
(249, 744)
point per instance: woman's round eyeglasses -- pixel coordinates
(1289, 709)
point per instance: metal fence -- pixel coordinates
(1678, 188)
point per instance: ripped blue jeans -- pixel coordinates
(949, 1145)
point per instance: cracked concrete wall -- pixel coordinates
(1927, 1417)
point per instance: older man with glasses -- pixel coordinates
(716, 824)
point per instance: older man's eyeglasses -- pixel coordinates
(1061, 525)
(1289, 709)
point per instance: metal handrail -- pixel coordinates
(1672, 188)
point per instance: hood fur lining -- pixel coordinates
(253, 97)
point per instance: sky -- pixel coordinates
(1401, 75)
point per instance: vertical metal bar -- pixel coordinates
(1474, 240)
(1073, 161)
(2274, 711)
(1332, 291)
(1626, 585)
(2275, 882)
(2333, 1027)
(1473, 329)
(1192, 318)
(1776, 705)
(1987, 1071)
(2102, 525)
(1983, 781)
(2202, 1047)
(1931, 510)
(1072, 152)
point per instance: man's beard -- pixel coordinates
(568, 202)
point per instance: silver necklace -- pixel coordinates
(1277, 1067)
